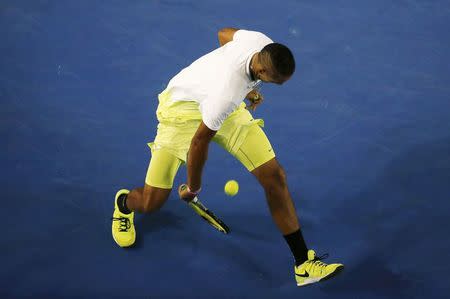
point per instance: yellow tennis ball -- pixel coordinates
(231, 188)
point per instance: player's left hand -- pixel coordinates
(255, 98)
(185, 194)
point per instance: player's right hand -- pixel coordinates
(185, 194)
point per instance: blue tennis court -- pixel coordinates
(362, 130)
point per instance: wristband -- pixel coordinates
(192, 192)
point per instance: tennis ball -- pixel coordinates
(231, 188)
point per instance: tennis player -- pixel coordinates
(204, 102)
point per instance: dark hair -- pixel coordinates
(281, 57)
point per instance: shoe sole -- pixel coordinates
(331, 275)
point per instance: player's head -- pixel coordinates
(275, 64)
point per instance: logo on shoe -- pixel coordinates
(306, 274)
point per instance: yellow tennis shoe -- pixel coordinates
(123, 230)
(313, 270)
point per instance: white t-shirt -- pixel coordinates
(219, 80)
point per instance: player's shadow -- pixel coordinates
(371, 276)
(163, 219)
(396, 215)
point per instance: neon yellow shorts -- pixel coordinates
(240, 135)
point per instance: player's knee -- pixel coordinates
(151, 206)
(275, 179)
(152, 203)
(280, 177)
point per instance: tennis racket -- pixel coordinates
(208, 216)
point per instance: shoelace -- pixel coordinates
(124, 224)
(317, 261)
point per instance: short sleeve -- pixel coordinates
(251, 36)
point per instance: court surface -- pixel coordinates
(362, 130)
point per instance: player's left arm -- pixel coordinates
(226, 35)
(198, 153)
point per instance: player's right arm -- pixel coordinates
(197, 155)
(225, 35)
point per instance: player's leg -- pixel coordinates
(273, 179)
(158, 185)
(161, 172)
(178, 122)
(257, 155)
(147, 199)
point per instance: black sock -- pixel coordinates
(298, 247)
(122, 204)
